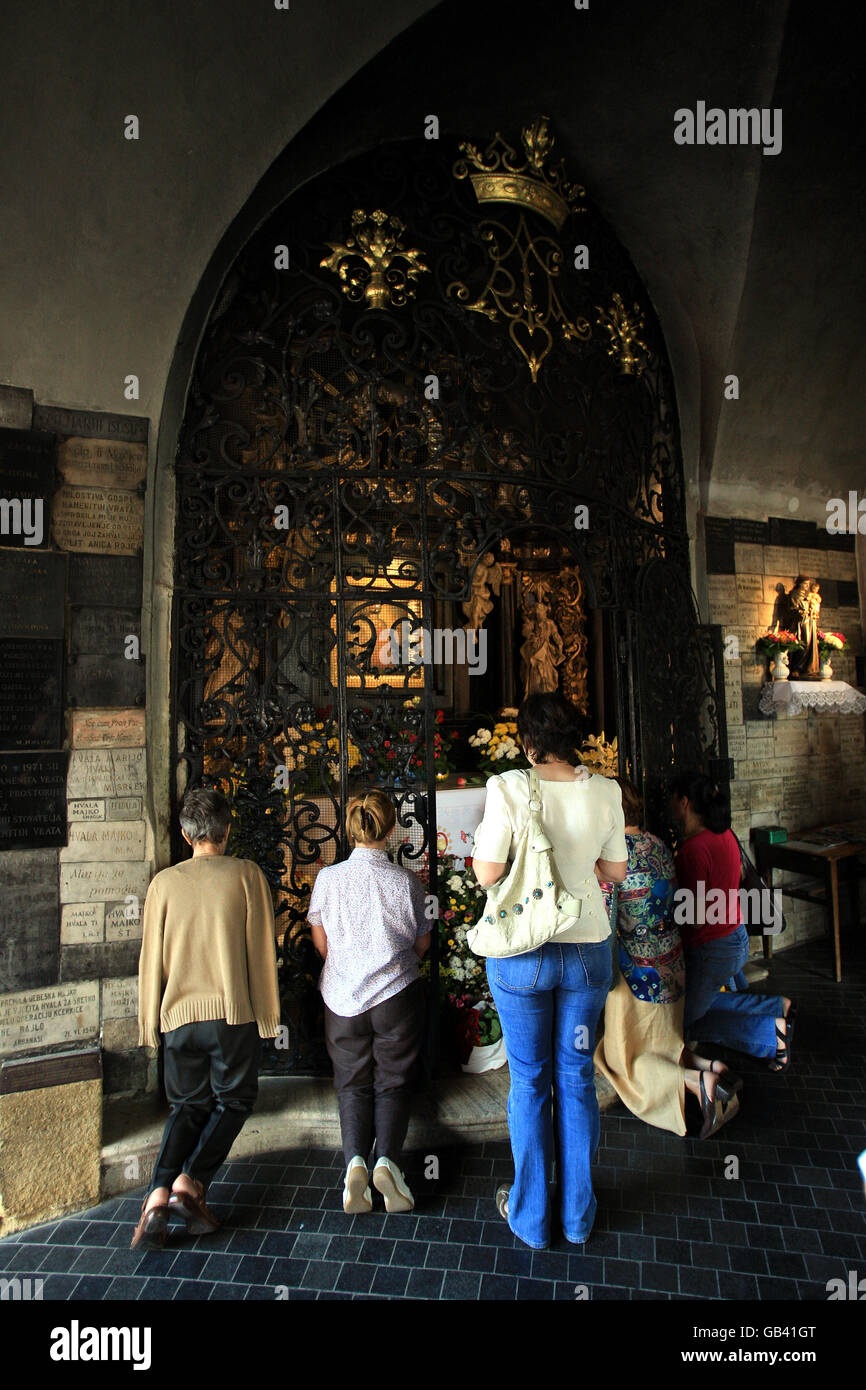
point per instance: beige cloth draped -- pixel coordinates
(640, 1056)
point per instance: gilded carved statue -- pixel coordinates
(541, 652)
(488, 575)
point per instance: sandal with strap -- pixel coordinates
(723, 1106)
(782, 1059)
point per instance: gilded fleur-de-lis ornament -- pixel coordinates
(373, 263)
(623, 330)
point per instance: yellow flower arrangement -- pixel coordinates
(600, 756)
(498, 747)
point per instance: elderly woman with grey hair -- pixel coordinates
(208, 983)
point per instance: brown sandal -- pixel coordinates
(200, 1220)
(150, 1232)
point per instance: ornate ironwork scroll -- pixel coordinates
(349, 449)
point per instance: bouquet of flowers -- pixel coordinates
(442, 763)
(830, 642)
(477, 1026)
(772, 642)
(599, 756)
(461, 901)
(497, 747)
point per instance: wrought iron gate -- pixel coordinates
(410, 366)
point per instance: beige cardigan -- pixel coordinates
(207, 949)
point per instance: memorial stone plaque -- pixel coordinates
(749, 559)
(752, 768)
(830, 596)
(722, 591)
(104, 841)
(780, 560)
(102, 631)
(105, 579)
(31, 692)
(91, 424)
(750, 588)
(108, 463)
(733, 705)
(767, 796)
(32, 800)
(847, 595)
(719, 537)
(836, 540)
(749, 532)
(108, 728)
(16, 408)
(104, 680)
(45, 1017)
(82, 922)
(91, 774)
(786, 531)
(32, 594)
(120, 998)
(811, 562)
(119, 926)
(29, 919)
(130, 771)
(84, 810)
(737, 744)
(26, 473)
(123, 808)
(96, 520)
(103, 881)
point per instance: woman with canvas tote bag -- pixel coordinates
(549, 998)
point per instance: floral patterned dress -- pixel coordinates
(643, 1017)
(648, 939)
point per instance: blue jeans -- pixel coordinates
(549, 1001)
(742, 1021)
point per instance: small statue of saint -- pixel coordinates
(799, 614)
(541, 651)
(488, 575)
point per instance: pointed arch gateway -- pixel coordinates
(419, 405)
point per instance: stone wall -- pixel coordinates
(795, 771)
(76, 843)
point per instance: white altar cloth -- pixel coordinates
(788, 698)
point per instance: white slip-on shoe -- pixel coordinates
(388, 1180)
(357, 1197)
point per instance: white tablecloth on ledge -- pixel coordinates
(793, 697)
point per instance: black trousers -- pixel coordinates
(211, 1081)
(374, 1056)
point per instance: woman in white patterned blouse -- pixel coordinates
(367, 919)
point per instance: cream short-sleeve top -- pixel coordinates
(582, 818)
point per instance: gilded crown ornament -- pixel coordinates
(536, 182)
(373, 263)
(521, 286)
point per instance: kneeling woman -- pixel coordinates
(367, 918)
(641, 1053)
(709, 859)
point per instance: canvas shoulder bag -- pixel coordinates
(531, 904)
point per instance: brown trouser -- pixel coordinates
(374, 1055)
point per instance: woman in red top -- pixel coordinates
(715, 941)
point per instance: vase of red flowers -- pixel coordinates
(778, 646)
